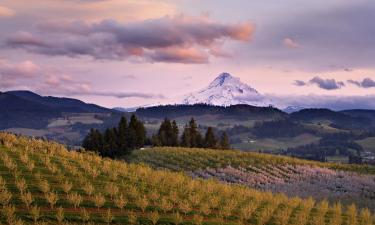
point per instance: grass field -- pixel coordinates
(43, 183)
(272, 144)
(368, 144)
(291, 176)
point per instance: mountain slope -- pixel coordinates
(226, 90)
(60, 103)
(28, 110)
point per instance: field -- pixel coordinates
(368, 144)
(272, 144)
(43, 183)
(293, 177)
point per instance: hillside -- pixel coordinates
(293, 177)
(42, 181)
(66, 120)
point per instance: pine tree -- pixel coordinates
(174, 133)
(155, 140)
(194, 134)
(93, 141)
(140, 132)
(110, 142)
(132, 133)
(186, 137)
(224, 141)
(122, 136)
(165, 133)
(210, 139)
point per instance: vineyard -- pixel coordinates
(278, 174)
(43, 183)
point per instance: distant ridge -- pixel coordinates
(29, 110)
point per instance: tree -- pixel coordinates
(122, 136)
(210, 139)
(155, 140)
(93, 141)
(168, 133)
(224, 141)
(110, 141)
(186, 137)
(193, 133)
(120, 141)
(174, 133)
(165, 133)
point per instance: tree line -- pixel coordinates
(168, 135)
(116, 141)
(127, 136)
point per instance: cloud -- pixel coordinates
(290, 43)
(299, 83)
(129, 77)
(365, 83)
(6, 12)
(126, 94)
(25, 69)
(179, 39)
(324, 101)
(327, 84)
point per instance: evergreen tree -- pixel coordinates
(194, 134)
(155, 140)
(168, 133)
(93, 141)
(174, 133)
(120, 141)
(210, 139)
(224, 141)
(186, 137)
(110, 141)
(136, 133)
(122, 136)
(165, 133)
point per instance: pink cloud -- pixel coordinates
(6, 12)
(290, 43)
(179, 39)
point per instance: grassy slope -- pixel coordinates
(193, 159)
(157, 191)
(368, 144)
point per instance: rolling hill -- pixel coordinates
(44, 182)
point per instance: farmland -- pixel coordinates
(42, 182)
(293, 177)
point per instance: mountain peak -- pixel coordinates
(222, 79)
(225, 90)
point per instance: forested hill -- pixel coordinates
(239, 111)
(29, 110)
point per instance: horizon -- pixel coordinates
(127, 54)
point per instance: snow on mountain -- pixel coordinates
(226, 90)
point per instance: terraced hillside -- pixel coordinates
(43, 183)
(294, 177)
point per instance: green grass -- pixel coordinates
(272, 144)
(368, 144)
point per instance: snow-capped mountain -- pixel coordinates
(226, 90)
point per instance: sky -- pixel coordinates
(126, 53)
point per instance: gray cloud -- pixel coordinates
(327, 84)
(113, 94)
(177, 39)
(365, 83)
(299, 83)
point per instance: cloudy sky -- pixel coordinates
(137, 52)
